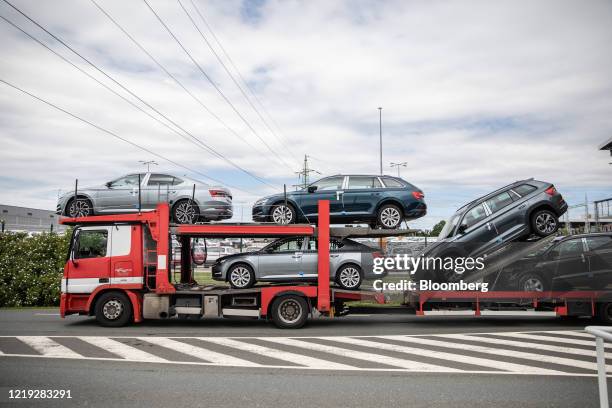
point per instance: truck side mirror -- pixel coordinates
(312, 189)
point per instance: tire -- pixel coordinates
(283, 214)
(604, 313)
(241, 276)
(349, 277)
(289, 312)
(389, 216)
(544, 223)
(532, 282)
(113, 309)
(185, 212)
(81, 207)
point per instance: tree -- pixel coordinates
(435, 231)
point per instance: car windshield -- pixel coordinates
(543, 246)
(449, 227)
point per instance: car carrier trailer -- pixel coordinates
(130, 281)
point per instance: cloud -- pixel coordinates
(476, 94)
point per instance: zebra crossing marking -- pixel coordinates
(48, 348)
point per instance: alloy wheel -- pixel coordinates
(112, 309)
(185, 212)
(240, 276)
(390, 217)
(546, 223)
(282, 214)
(349, 277)
(290, 311)
(533, 285)
(79, 208)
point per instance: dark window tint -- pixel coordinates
(92, 244)
(595, 243)
(161, 180)
(499, 201)
(288, 245)
(334, 244)
(363, 182)
(474, 215)
(392, 183)
(524, 189)
(569, 248)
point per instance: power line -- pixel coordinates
(200, 143)
(231, 61)
(229, 73)
(172, 76)
(209, 79)
(100, 128)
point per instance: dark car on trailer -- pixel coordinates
(375, 200)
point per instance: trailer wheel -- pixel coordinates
(113, 309)
(604, 313)
(289, 312)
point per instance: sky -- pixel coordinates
(475, 95)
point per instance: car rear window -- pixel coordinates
(392, 183)
(524, 189)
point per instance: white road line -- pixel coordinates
(360, 355)
(47, 314)
(524, 344)
(568, 332)
(199, 352)
(122, 350)
(459, 358)
(498, 351)
(278, 354)
(563, 340)
(48, 347)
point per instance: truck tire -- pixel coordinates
(241, 276)
(113, 309)
(389, 216)
(544, 223)
(289, 312)
(349, 277)
(185, 212)
(604, 313)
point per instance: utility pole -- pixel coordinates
(402, 164)
(305, 172)
(148, 163)
(587, 223)
(380, 136)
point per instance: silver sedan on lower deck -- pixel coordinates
(295, 260)
(187, 204)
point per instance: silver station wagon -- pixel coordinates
(295, 260)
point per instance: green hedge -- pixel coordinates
(31, 268)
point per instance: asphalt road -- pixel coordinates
(99, 382)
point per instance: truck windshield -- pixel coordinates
(449, 227)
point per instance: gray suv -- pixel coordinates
(295, 260)
(514, 212)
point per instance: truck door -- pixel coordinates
(126, 268)
(89, 265)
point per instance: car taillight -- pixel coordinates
(218, 193)
(551, 191)
(418, 195)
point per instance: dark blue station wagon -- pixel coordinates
(376, 200)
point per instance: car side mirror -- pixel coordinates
(312, 189)
(462, 228)
(109, 184)
(552, 255)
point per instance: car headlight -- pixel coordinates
(261, 201)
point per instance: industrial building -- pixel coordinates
(24, 219)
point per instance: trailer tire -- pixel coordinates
(113, 309)
(604, 313)
(289, 311)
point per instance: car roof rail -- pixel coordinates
(493, 192)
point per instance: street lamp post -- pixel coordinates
(402, 164)
(380, 136)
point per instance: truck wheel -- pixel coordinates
(185, 212)
(604, 313)
(283, 214)
(81, 207)
(113, 309)
(531, 282)
(544, 223)
(241, 276)
(289, 312)
(349, 277)
(389, 216)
